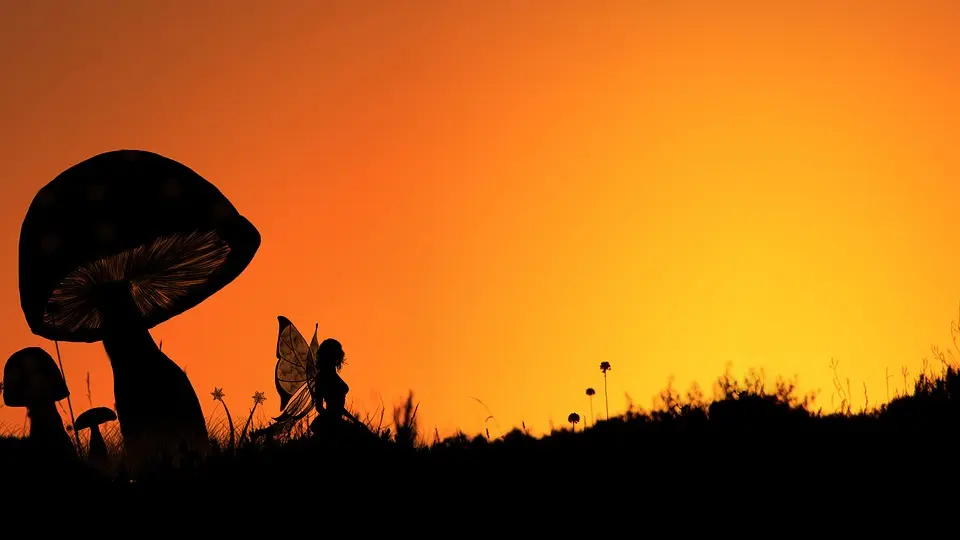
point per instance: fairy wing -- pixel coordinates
(296, 367)
(298, 406)
(314, 344)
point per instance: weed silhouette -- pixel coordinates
(590, 393)
(747, 425)
(218, 396)
(258, 399)
(604, 368)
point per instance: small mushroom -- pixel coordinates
(114, 246)
(32, 379)
(91, 419)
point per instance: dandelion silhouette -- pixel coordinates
(574, 419)
(114, 246)
(590, 393)
(604, 368)
(92, 419)
(32, 380)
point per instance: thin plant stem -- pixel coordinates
(73, 421)
(606, 398)
(229, 423)
(243, 432)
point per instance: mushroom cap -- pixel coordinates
(94, 417)
(127, 216)
(31, 376)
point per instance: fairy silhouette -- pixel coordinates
(330, 388)
(307, 376)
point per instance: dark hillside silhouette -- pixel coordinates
(114, 246)
(747, 439)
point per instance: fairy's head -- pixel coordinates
(331, 353)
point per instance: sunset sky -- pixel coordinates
(487, 199)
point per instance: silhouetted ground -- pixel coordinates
(748, 438)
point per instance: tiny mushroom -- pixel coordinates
(116, 245)
(91, 419)
(33, 380)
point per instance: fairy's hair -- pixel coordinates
(332, 351)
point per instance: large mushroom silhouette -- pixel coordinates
(114, 246)
(91, 419)
(32, 379)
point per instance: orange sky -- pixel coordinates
(488, 199)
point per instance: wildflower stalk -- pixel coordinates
(218, 396)
(258, 398)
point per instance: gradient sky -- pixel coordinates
(490, 198)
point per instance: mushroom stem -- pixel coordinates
(47, 431)
(98, 447)
(156, 405)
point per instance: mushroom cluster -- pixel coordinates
(114, 246)
(32, 379)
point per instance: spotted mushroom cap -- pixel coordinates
(30, 377)
(127, 215)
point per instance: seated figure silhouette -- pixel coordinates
(330, 389)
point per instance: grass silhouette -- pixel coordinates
(747, 428)
(752, 437)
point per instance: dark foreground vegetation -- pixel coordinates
(748, 434)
